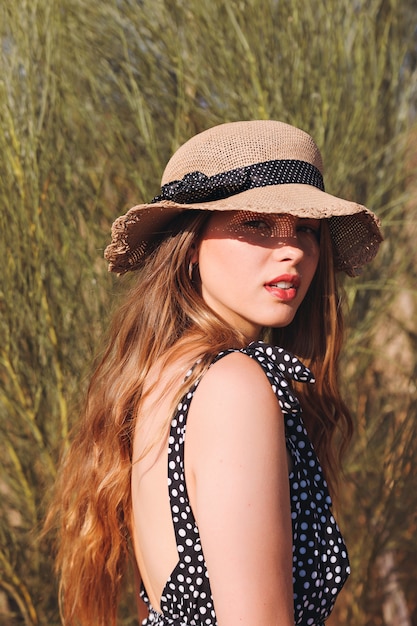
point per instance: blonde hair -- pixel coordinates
(162, 317)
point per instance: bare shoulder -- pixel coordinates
(233, 395)
(235, 376)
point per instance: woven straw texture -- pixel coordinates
(355, 230)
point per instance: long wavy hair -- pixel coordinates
(164, 317)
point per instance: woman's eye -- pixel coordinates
(251, 225)
(258, 225)
(310, 230)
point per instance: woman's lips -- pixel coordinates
(284, 287)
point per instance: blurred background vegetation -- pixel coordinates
(95, 95)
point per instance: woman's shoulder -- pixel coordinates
(272, 359)
(235, 369)
(249, 379)
(233, 407)
(235, 386)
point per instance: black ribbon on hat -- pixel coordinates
(197, 187)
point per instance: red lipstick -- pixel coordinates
(284, 287)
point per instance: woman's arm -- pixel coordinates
(237, 476)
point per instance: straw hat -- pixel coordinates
(263, 166)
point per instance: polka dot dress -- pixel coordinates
(320, 561)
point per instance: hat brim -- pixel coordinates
(355, 229)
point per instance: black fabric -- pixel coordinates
(197, 187)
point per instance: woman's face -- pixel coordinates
(256, 268)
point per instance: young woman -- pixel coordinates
(206, 445)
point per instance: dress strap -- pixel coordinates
(185, 527)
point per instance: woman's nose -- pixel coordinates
(288, 249)
(287, 245)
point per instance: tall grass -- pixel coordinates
(94, 97)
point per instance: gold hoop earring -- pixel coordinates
(191, 267)
(190, 270)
